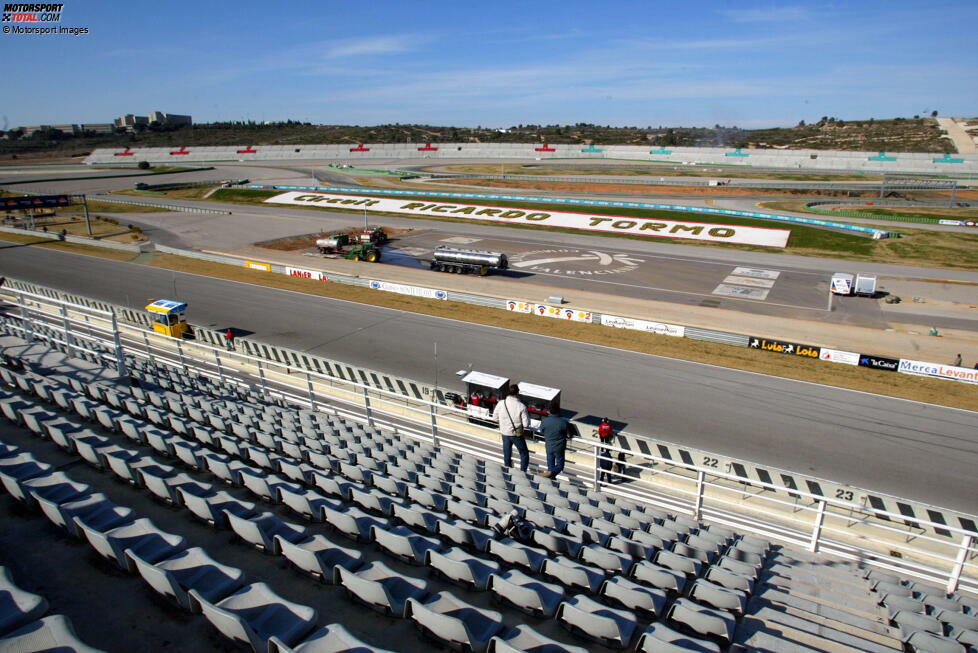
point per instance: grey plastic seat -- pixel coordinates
(381, 588)
(647, 602)
(213, 507)
(260, 530)
(318, 556)
(705, 557)
(333, 638)
(715, 596)
(417, 518)
(730, 580)
(17, 607)
(164, 482)
(255, 614)
(307, 503)
(335, 486)
(189, 453)
(557, 544)
(908, 622)
(524, 638)
(635, 549)
(611, 561)
(465, 534)
(738, 567)
(96, 509)
(469, 512)
(21, 467)
(266, 485)
(896, 604)
(460, 567)
(353, 522)
(141, 536)
(573, 574)
(404, 544)
(427, 498)
(189, 570)
(585, 617)
(516, 553)
(956, 622)
(56, 488)
(373, 500)
(925, 642)
(742, 555)
(54, 634)
(659, 638)
(225, 467)
(125, 463)
(453, 622)
(680, 563)
(586, 534)
(936, 603)
(525, 593)
(701, 619)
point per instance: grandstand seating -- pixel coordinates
(400, 526)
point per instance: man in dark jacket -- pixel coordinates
(553, 428)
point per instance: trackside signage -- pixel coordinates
(920, 368)
(879, 362)
(783, 347)
(839, 356)
(643, 325)
(318, 275)
(719, 233)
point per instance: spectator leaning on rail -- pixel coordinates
(605, 461)
(513, 420)
(555, 433)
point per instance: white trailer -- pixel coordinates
(865, 285)
(842, 283)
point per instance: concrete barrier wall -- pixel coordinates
(799, 159)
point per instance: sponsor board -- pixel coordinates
(922, 368)
(763, 236)
(643, 325)
(879, 362)
(415, 291)
(783, 347)
(952, 223)
(318, 275)
(561, 313)
(519, 307)
(254, 265)
(838, 356)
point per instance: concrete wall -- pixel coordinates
(800, 159)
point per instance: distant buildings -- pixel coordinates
(128, 122)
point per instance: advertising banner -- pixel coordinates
(643, 325)
(519, 307)
(837, 356)
(318, 275)
(35, 201)
(719, 233)
(264, 267)
(783, 347)
(879, 362)
(416, 291)
(936, 370)
(562, 313)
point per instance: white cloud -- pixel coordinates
(370, 45)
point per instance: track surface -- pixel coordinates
(927, 453)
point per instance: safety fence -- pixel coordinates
(875, 233)
(72, 239)
(162, 205)
(843, 526)
(134, 173)
(895, 217)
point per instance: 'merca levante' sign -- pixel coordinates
(720, 233)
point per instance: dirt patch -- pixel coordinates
(644, 171)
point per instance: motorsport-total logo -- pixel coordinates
(573, 262)
(14, 12)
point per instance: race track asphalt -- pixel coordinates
(917, 451)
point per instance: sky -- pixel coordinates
(497, 64)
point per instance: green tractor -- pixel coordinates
(341, 245)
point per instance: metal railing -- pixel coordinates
(842, 528)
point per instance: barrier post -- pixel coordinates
(66, 325)
(312, 393)
(817, 529)
(183, 361)
(149, 354)
(25, 315)
(366, 406)
(955, 576)
(261, 377)
(120, 354)
(597, 469)
(700, 488)
(434, 425)
(220, 370)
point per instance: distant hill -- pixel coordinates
(896, 135)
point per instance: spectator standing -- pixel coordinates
(957, 361)
(555, 433)
(605, 461)
(229, 339)
(513, 420)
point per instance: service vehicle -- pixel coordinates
(342, 246)
(842, 283)
(865, 285)
(169, 318)
(484, 392)
(467, 261)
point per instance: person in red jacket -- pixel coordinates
(605, 434)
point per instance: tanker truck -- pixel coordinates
(464, 261)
